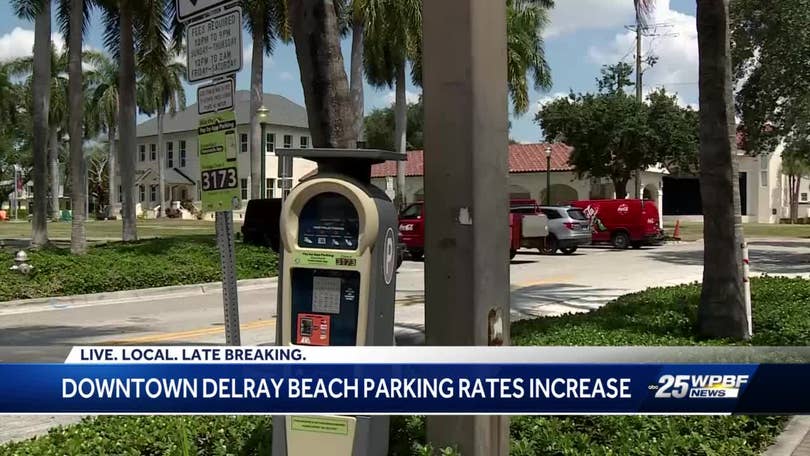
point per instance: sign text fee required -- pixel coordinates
(214, 45)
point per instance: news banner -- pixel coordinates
(412, 380)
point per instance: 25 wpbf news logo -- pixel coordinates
(699, 386)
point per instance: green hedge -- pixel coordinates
(664, 316)
(127, 266)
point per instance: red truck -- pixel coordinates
(623, 222)
(527, 229)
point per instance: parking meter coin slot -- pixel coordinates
(324, 303)
(329, 221)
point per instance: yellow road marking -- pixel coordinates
(259, 324)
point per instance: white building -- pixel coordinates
(764, 194)
(286, 128)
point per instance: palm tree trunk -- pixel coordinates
(112, 197)
(42, 98)
(722, 307)
(53, 172)
(256, 102)
(78, 175)
(161, 166)
(323, 76)
(126, 122)
(356, 81)
(401, 132)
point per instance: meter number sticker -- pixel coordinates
(219, 179)
(326, 295)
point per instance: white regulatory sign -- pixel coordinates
(215, 46)
(187, 9)
(215, 97)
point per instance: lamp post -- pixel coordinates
(263, 115)
(548, 174)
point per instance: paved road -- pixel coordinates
(541, 285)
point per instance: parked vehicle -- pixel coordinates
(526, 229)
(261, 225)
(624, 222)
(568, 228)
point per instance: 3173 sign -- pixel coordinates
(219, 173)
(219, 179)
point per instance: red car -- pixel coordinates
(623, 222)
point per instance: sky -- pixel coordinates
(582, 35)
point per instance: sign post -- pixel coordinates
(214, 42)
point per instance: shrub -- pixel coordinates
(126, 266)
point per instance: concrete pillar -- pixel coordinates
(466, 194)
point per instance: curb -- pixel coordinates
(120, 297)
(791, 438)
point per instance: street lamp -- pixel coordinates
(263, 114)
(548, 174)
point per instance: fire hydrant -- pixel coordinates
(21, 263)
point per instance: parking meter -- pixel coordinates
(337, 286)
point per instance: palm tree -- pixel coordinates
(133, 28)
(40, 12)
(525, 20)
(161, 91)
(722, 311)
(105, 107)
(351, 20)
(393, 30)
(315, 30)
(265, 21)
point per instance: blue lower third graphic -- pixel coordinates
(405, 388)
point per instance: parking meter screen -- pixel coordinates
(328, 221)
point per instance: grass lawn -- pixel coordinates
(111, 229)
(662, 316)
(179, 260)
(692, 231)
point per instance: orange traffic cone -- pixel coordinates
(677, 233)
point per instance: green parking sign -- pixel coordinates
(219, 172)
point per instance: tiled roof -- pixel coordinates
(523, 158)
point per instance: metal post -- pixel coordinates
(230, 299)
(466, 195)
(16, 194)
(639, 83)
(548, 180)
(747, 287)
(263, 183)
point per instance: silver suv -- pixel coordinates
(568, 228)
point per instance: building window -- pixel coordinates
(170, 155)
(269, 185)
(142, 150)
(182, 154)
(244, 189)
(763, 178)
(803, 198)
(120, 195)
(288, 141)
(243, 143)
(199, 191)
(304, 142)
(141, 193)
(270, 143)
(153, 152)
(153, 193)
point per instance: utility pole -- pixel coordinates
(639, 83)
(467, 248)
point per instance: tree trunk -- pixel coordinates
(126, 123)
(256, 102)
(400, 133)
(794, 185)
(620, 187)
(42, 99)
(161, 167)
(323, 76)
(53, 171)
(722, 306)
(78, 176)
(112, 196)
(356, 81)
